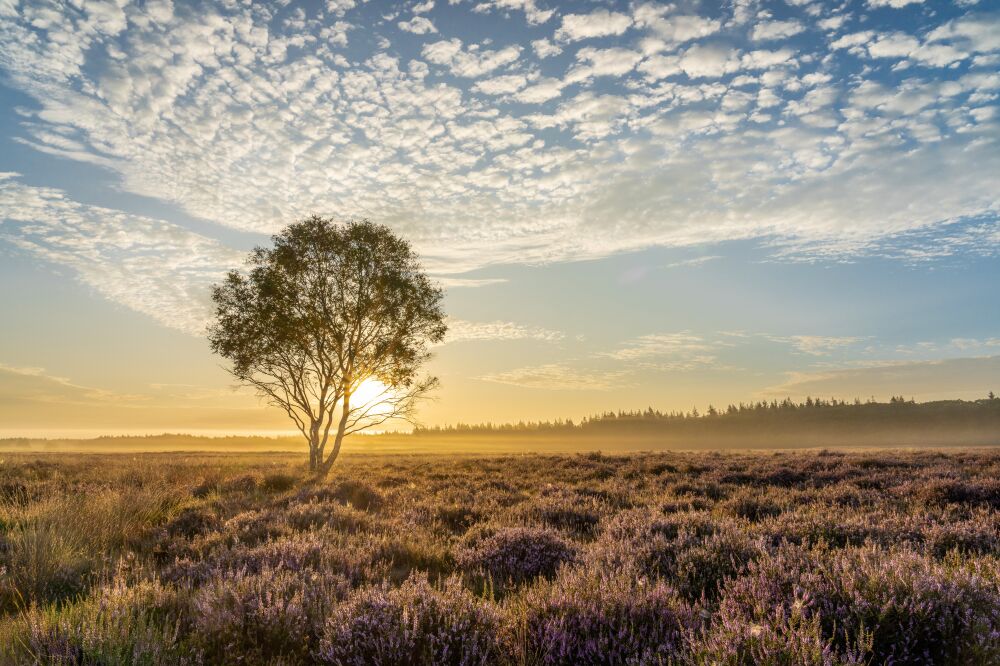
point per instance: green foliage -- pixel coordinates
(325, 309)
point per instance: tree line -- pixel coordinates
(811, 411)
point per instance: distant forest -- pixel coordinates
(912, 422)
(781, 424)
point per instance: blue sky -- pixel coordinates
(629, 203)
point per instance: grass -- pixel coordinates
(807, 557)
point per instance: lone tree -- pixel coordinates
(318, 320)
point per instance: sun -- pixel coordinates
(372, 395)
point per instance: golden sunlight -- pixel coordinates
(373, 395)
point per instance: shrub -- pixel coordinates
(700, 568)
(191, 522)
(516, 554)
(122, 623)
(263, 617)
(915, 609)
(277, 482)
(416, 623)
(587, 617)
(357, 494)
(563, 509)
(783, 641)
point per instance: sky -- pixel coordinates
(629, 204)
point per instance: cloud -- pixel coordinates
(34, 402)
(544, 48)
(542, 90)
(668, 131)
(924, 380)
(532, 12)
(600, 23)
(469, 63)
(895, 4)
(667, 29)
(664, 344)
(771, 30)
(695, 261)
(418, 25)
(458, 283)
(818, 345)
(615, 61)
(462, 331)
(502, 85)
(709, 61)
(558, 377)
(977, 32)
(150, 266)
(21, 386)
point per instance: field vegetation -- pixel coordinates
(809, 557)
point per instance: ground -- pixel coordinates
(807, 557)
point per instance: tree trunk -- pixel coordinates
(314, 453)
(325, 465)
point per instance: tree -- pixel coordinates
(329, 309)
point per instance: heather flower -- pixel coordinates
(515, 554)
(273, 614)
(915, 609)
(416, 623)
(588, 617)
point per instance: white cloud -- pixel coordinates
(469, 63)
(672, 29)
(502, 85)
(542, 90)
(895, 4)
(251, 121)
(762, 59)
(532, 12)
(979, 32)
(151, 266)
(544, 48)
(709, 61)
(615, 61)
(418, 25)
(600, 23)
(771, 30)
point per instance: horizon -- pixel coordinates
(490, 426)
(626, 203)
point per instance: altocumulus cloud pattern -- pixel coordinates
(505, 131)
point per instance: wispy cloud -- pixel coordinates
(954, 377)
(559, 377)
(695, 261)
(462, 331)
(459, 283)
(151, 266)
(668, 344)
(818, 345)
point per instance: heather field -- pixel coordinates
(807, 557)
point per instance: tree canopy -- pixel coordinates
(328, 309)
